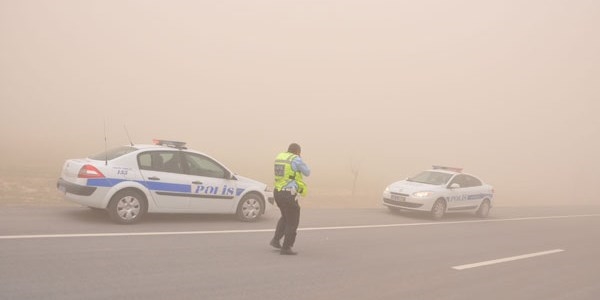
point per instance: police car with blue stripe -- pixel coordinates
(438, 191)
(166, 177)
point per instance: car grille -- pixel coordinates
(399, 194)
(402, 203)
(398, 197)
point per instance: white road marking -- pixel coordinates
(507, 259)
(447, 223)
(39, 236)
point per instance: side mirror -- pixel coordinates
(229, 176)
(454, 185)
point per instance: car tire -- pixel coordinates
(484, 209)
(127, 207)
(250, 208)
(438, 209)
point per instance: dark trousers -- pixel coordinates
(290, 217)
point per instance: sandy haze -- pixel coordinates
(507, 89)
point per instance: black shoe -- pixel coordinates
(275, 244)
(287, 251)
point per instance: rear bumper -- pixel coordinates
(76, 189)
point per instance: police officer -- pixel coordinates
(289, 169)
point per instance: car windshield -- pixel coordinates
(430, 177)
(113, 153)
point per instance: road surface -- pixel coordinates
(517, 253)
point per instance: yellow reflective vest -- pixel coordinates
(284, 174)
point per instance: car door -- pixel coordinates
(467, 192)
(458, 191)
(475, 192)
(163, 175)
(213, 188)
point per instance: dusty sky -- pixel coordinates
(507, 89)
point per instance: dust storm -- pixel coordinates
(373, 91)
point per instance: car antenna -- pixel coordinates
(127, 131)
(105, 146)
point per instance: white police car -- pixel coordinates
(438, 191)
(132, 180)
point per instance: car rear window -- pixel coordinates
(113, 153)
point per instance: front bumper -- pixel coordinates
(404, 201)
(402, 204)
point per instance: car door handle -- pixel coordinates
(197, 182)
(153, 178)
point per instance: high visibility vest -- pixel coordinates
(284, 173)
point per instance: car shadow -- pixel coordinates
(99, 216)
(87, 215)
(421, 216)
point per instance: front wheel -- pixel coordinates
(438, 209)
(127, 207)
(484, 209)
(250, 208)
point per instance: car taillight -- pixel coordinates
(89, 171)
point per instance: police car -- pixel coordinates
(438, 191)
(166, 177)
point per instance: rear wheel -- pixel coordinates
(250, 208)
(127, 207)
(438, 209)
(484, 209)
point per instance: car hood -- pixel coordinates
(409, 187)
(250, 182)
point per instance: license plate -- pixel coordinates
(398, 198)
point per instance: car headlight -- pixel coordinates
(422, 194)
(387, 189)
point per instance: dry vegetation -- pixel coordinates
(29, 190)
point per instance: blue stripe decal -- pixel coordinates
(239, 191)
(104, 182)
(155, 186)
(168, 187)
(477, 196)
(151, 185)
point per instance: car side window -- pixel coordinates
(472, 181)
(150, 161)
(460, 180)
(203, 166)
(172, 162)
(144, 161)
(161, 161)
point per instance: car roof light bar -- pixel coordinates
(453, 169)
(172, 144)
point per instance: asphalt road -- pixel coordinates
(517, 253)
